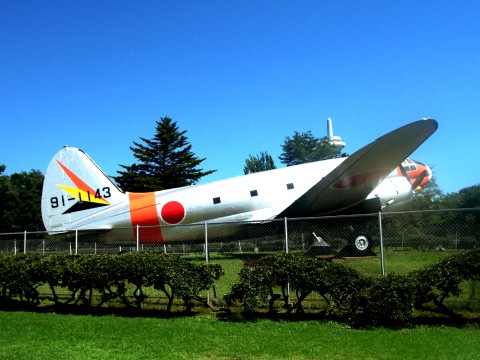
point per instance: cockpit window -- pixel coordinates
(409, 165)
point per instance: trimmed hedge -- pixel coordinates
(20, 277)
(259, 285)
(442, 280)
(350, 296)
(388, 301)
(113, 277)
(266, 281)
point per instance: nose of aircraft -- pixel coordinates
(429, 171)
(421, 176)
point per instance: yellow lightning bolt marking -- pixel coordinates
(83, 195)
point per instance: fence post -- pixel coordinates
(382, 254)
(15, 247)
(206, 242)
(206, 257)
(286, 235)
(25, 242)
(138, 238)
(76, 241)
(286, 252)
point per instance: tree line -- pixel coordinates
(167, 161)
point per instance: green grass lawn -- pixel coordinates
(398, 262)
(154, 335)
(39, 336)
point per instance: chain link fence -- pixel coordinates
(389, 242)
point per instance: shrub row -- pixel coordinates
(113, 277)
(442, 280)
(260, 283)
(386, 301)
(350, 296)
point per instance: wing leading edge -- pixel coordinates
(355, 178)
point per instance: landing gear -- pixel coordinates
(362, 244)
(359, 245)
(320, 247)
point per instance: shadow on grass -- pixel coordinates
(434, 319)
(78, 309)
(421, 318)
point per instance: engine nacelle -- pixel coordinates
(395, 194)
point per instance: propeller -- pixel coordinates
(418, 180)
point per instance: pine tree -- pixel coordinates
(164, 162)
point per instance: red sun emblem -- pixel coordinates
(173, 212)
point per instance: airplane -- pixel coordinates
(78, 195)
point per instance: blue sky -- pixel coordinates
(239, 77)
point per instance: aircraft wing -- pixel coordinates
(356, 177)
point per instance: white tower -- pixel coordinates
(334, 140)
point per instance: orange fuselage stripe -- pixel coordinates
(143, 212)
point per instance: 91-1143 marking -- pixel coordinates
(99, 194)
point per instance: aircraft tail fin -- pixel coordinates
(74, 189)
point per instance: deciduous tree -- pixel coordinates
(428, 198)
(304, 148)
(260, 162)
(20, 198)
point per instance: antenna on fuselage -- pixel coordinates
(334, 140)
